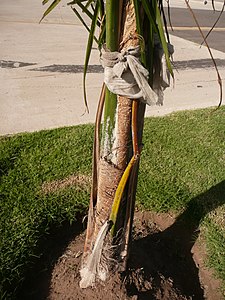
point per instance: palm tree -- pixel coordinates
(135, 54)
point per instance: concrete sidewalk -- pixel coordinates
(33, 99)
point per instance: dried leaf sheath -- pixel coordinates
(95, 165)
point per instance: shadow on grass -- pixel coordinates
(160, 256)
(37, 280)
(166, 256)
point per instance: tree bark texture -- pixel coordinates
(116, 154)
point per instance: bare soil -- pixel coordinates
(80, 181)
(166, 263)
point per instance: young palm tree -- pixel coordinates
(135, 55)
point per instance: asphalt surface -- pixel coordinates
(184, 26)
(41, 67)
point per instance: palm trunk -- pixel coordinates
(120, 145)
(115, 165)
(116, 146)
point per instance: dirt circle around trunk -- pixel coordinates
(165, 263)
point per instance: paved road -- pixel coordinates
(41, 70)
(184, 26)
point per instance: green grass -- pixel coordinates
(215, 241)
(183, 156)
(182, 166)
(26, 162)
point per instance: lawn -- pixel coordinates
(45, 180)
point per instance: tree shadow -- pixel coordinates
(166, 256)
(160, 261)
(38, 278)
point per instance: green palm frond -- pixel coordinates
(89, 2)
(44, 2)
(87, 12)
(101, 8)
(95, 10)
(102, 35)
(50, 8)
(153, 14)
(75, 2)
(163, 39)
(83, 22)
(140, 30)
(89, 48)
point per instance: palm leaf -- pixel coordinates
(83, 22)
(88, 49)
(139, 29)
(156, 22)
(150, 14)
(89, 2)
(164, 20)
(102, 36)
(163, 39)
(169, 14)
(83, 8)
(87, 12)
(44, 2)
(75, 2)
(50, 8)
(101, 8)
